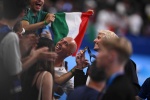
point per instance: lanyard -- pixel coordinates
(89, 52)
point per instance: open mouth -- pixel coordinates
(58, 47)
(38, 4)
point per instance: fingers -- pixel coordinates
(44, 49)
(81, 54)
(90, 10)
(50, 18)
(50, 56)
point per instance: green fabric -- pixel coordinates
(59, 27)
(31, 18)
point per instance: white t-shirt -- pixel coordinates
(10, 57)
(68, 86)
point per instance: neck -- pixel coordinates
(9, 23)
(96, 85)
(34, 11)
(114, 69)
(59, 61)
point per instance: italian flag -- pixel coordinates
(71, 24)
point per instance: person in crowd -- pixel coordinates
(42, 72)
(36, 19)
(130, 67)
(144, 92)
(28, 41)
(92, 90)
(64, 48)
(113, 56)
(10, 58)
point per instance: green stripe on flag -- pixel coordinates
(59, 27)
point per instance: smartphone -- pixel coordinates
(85, 49)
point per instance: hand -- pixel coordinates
(43, 54)
(90, 10)
(50, 18)
(26, 43)
(81, 61)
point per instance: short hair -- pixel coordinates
(12, 8)
(121, 45)
(97, 74)
(108, 34)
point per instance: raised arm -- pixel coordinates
(32, 27)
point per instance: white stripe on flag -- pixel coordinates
(73, 21)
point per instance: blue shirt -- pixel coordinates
(83, 93)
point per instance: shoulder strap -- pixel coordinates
(66, 65)
(4, 30)
(40, 89)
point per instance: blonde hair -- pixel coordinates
(108, 34)
(121, 45)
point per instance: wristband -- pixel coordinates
(72, 72)
(45, 23)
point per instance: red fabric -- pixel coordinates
(85, 18)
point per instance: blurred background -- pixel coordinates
(129, 18)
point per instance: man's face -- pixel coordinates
(102, 58)
(36, 5)
(63, 46)
(97, 41)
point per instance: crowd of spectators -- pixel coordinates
(32, 67)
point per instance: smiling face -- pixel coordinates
(36, 5)
(66, 46)
(98, 40)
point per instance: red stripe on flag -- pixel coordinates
(85, 18)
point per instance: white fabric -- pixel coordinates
(88, 80)
(135, 24)
(69, 86)
(10, 58)
(73, 21)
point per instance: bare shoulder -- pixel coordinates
(47, 78)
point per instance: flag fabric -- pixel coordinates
(71, 24)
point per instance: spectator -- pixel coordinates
(32, 78)
(36, 18)
(91, 91)
(64, 48)
(135, 24)
(130, 67)
(10, 58)
(113, 56)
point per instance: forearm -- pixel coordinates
(35, 26)
(65, 77)
(28, 62)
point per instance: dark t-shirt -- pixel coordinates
(119, 89)
(145, 90)
(83, 93)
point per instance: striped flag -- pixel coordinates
(71, 24)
